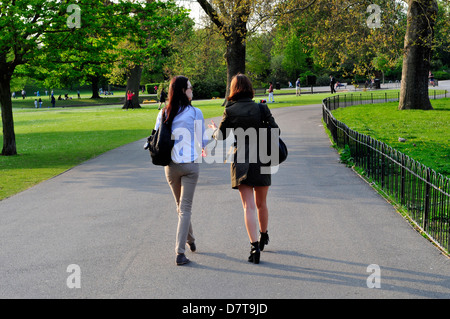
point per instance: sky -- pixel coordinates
(196, 10)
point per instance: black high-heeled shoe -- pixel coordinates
(255, 253)
(263, 240)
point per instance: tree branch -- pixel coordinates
(209, 10)
(294, 10)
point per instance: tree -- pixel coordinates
(422, 16)
(38, 32)
(380, 33)
(441, 47)
(123, 39)
(354, 48)
(198, 54)
(46, 32)
(148, 42)
(22, 27)
(85, 61)
(232, 18)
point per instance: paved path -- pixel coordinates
(114, 217)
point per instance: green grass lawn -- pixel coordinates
(52, 140)
(85, 100)
(427, 133)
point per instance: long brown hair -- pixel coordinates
(177, 99)
(240, 87)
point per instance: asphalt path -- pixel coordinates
(106, 229)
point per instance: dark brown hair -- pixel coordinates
(177, 98)
(240, 88)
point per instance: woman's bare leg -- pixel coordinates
(261, 205)
(250, 212)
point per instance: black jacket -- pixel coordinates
(245, 114)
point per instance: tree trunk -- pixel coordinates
(235, 34)
(235, 37)
(417, 55)
(133, 82)
(9, 137)
(235, 57)
(94, 84)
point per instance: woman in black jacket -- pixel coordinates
(242, 115)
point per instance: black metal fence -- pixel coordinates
(423, 193)
(344, 100)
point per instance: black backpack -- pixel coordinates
(160, 144)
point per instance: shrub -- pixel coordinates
(441, 75)
(209, 89)
(150, 88)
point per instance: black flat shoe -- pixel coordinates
(263, 240)
(182, 260)
(192, 247)
(255, 253)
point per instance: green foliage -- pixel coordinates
(112, 38)
(204, 89)
(258, 60)
(442, 75)
(294, 57)
(150, 88)
(198, 55)
(441, 48)
(346, 156)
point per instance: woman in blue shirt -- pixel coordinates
(182, 173)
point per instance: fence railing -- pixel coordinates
(344, 100)
(423, 193)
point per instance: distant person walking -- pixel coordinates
(241, 112)
(53, 100)
(332, 84)
(129, 100)
(271, 92)
(431, 78)
(298, 90)
(182, 173)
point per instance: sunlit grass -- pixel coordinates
(427, 133)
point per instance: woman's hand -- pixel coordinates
(212, 125)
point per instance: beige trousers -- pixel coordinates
(182, 179)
